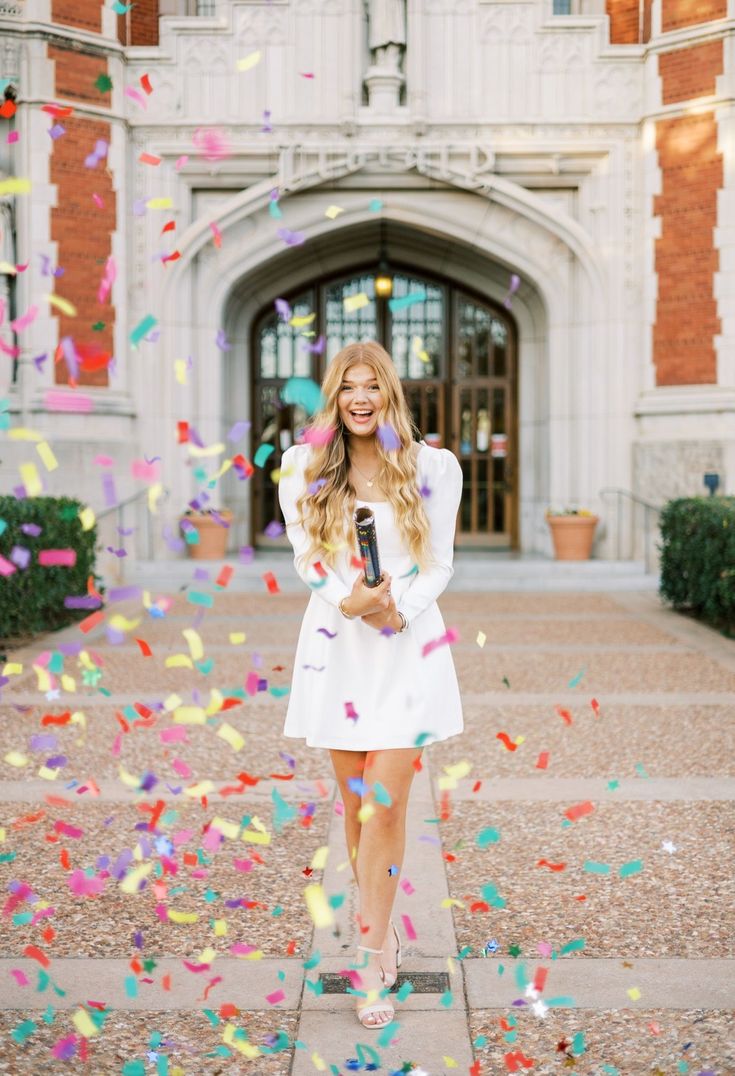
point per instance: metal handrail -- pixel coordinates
(648, 508)
(118, 510)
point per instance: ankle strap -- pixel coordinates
(367, 949)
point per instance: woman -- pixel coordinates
(361, 685)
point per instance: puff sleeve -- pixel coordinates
(443, 475)
(290, 487)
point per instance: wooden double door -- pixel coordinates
(456, 356)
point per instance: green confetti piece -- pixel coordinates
(514, 950)
(131, 986)
(635, 866)
(375, 205)
(501, 969)
(592, 867)
(510, 1036)
(480, 1041)
(312, 961)
(316, 986)
(487, 836)
(381, 795)
(205, 666)
(464, 952)
(389, 1032)
(611, 1070)
(575, 679)
(404, 990)
(561, 1002)
(277, 910)
(407, 300)
(284, 812)
(161, 1065)
(8, 857)
(134, 1068)
(446, 999)
(613, 785)
(336, 900)
(211, 1016)
(98, 326)
(103, 83)
(142, 329)
(578, 1046)
(305, 392)
(49, 1015)
(56, 664)
(682, 1067)
(23, 1031)
(197, 597)
(640, 769)
(262, 454)
(362, 1049)
(521, 976)
(490, 894)
(574, 946)
(21, 919)
(278, 692)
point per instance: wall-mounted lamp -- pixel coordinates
(712, 482)
(384, 277)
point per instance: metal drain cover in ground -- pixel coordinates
(423, 982)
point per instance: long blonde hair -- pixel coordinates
(328, 503)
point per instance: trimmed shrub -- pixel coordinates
(698, 558)
(32, 597)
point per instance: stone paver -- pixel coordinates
(211, 958)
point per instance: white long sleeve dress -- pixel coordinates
(354, 688)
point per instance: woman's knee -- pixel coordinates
(389, 819)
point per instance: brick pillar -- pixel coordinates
(624, 21)
(82, 14)
(84, 218)
(140, 25)
(686, 258)
(676, 14)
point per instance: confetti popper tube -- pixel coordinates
(367, 540)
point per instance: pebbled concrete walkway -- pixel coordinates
(568, 871)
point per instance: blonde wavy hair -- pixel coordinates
(327, 505)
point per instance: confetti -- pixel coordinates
(249, 61)
(352, 303)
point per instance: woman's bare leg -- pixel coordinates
(349, 764)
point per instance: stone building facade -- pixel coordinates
(549, 185)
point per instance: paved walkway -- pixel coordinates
(568, 890)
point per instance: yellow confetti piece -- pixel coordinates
(208, 450)
(257, 954)
(154, 495)
(201, 788)
(451, 965)
(180, 371)
(249, 61)
(13, 668)
(85, 660)
(215, 702)
(220, 928)
(15, 185)
(449, 1062)
(44, 678)
(520, 739)
(355, 302)
(47, 774)
(189, 715)
(128, 779)
(319, 859)
(634, 993)
(62, 304)
(160, 203)
(366, 812)
(237, 638)
(208, 955)
(224, 468)
(172, 702)
(10, 270)
(226, 828)
(84, 1024)
(318, 906)
(231, 736)
(16, 758)
(449, 902)
(195, 643)
(254, 837)
(2, 834)
(48, 459)
(87, 518)
(459, 769)
(481, 638)
(179, 661)
(23, 433)
(333, 211)
(417, 347)
(133, 878)
(182, 917)
(318, 1063)
(30, 478)
(299, 321)
(68, 683)
(121, 623)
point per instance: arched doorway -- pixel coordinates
(456, 356)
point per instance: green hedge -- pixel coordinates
(698, 558)
(32, 598)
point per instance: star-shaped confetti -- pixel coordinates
(668, 846)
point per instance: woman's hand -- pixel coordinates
(365, 601)
(385, 619)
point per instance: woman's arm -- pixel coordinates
(290, 487)
(444, 477)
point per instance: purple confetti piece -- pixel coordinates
(45, 741)
(39, 361)
(31, 529)
(329, 634)
(246, 554)
(139, 207)
(91, 161)
(316, 348)
(515, 283)
(45, 265)
(56, 131)
(138, 939)
(316, 485)
(154, 459)
(123, 594)
(267, 127)
(388, 438)
(222, 342)
(57, 762)
(70, 355)
(71, 648)
(238, 430)
(82, 601)
(108, 488)
(283, 310)
(101, 147)
(257, 660)
(274, 529)
(20, 556)
(201, 574)
(195, 438)
(291, 239)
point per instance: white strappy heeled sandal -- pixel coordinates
(388, 978)
(374, 1008)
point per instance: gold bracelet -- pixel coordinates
(344, 614)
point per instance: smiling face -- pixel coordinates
(360, 400)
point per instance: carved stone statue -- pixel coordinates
(387, 32)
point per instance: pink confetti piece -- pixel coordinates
(217, 234)
(407, 888)
(319, 435)
(275, 997)
(135, 95)
(98, 201)
(146, 472)
(60, 558)
(181, 767)
(27, 319)
(174, 734)
(408, 927)
(244, 865)
(6, 568)
(181, 161)
(13, 136)
(68, 401)
(450, 636)
(20, 977)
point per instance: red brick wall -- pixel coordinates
(83, 14)
(623, 21)
(686, 257)
(691, 72)
(676, 13)
(140, 25)
(82, 231)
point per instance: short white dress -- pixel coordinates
(354, 688)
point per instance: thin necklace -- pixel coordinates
(368, 480)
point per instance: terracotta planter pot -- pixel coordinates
(572, 536)
(213, 537)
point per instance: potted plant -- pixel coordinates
(572, 532)
(206, 532)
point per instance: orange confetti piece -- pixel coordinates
(271, 582)
(64, 859)
(149, 158)
(291, 947)
(224, 576)
(182, 432)
(477, 786)
(56, 719)
(34, 953)
(579, 810)
(595, 706)
(146, 84)
(565, 715)
(506, 741)
(551, 866)
(56, 801)
(166, 982)
(542, 761)
(91, 621)
(144, 648)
